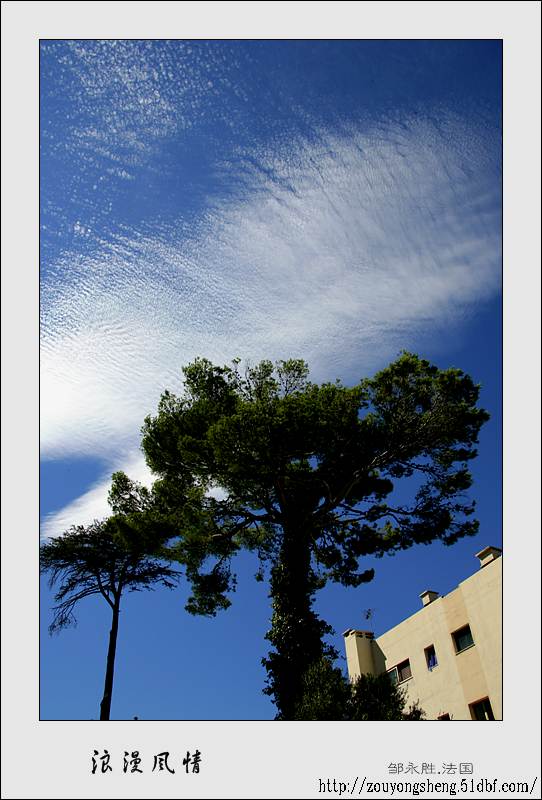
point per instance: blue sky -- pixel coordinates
(336, 201)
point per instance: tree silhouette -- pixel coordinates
(123, 553)
(307, 476)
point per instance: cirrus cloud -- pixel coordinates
(339, 250)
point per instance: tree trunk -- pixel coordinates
(105, 705)
(296, 631)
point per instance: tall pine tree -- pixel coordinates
(306, 475)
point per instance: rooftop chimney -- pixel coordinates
(361, 634)
(488, 554)
(360, 649)
(428, 596)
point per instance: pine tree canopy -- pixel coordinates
(313, 477)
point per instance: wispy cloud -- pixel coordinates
(339, 243)
(93, 503)
(339, 249)
(125, 96)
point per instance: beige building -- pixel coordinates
(448, 655)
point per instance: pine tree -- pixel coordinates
(307, 476)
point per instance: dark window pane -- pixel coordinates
(393, 675)
(463, 639)
(482, 710)
(404, 670)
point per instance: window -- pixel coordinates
(462, 639)
(444, 716)
(401, 672)
(404, 671)
(481, 709)
(430, 657)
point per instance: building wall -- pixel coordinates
(459, 679)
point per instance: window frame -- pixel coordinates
(395, 671)
(482, 702)
(426, 654)
(458, 631)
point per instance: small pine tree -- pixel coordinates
(328, 695)
(123, 553)
(375, 697)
